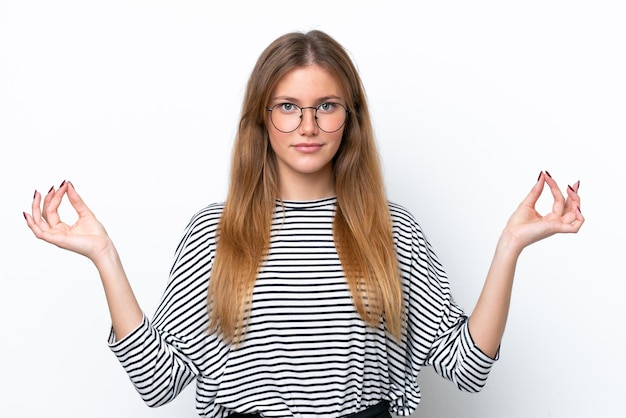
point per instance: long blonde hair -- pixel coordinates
(362, 225)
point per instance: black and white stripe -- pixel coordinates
(307, 352)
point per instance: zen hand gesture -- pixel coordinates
(86, 236)
(527, 226)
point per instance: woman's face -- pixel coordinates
(304, 155)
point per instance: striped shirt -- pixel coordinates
(307, 352)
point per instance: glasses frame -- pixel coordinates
(315, 109)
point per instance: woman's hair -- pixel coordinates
(362, 225)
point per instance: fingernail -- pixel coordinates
(577, 185)
(548, 174)
(24, 213)
(540, 173)
(51, 189)
(35, 194)
(62, 184)
(579, 211)
(571, 188)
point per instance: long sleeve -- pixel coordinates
(163, 355)
(437, 332)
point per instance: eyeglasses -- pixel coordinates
(329, 116)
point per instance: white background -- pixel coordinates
(136, 102)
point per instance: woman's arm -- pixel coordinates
(87, 237)
(524, 227)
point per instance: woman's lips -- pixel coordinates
(307, 147)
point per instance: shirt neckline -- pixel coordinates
(301, 204)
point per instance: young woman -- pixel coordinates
(306, 293)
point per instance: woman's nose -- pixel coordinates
(308, 125)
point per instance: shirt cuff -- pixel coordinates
(475, 350)
(143, 329)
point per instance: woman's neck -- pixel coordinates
(306, 187)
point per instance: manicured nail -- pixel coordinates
(35, 194)
(579, 211)
(548, 174)
(577, 186)
(24, 213)
(51, 189)
(540, 173)
(571, 188)
(62, 184)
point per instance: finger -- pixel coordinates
(36, 207)
(35, 221)
(77, 202)
(31, 223)
(573, 214)
(570, 217)
(558, 206)
(573, 199)
(579, 217)
(45, 202)
(573, 226)
(534, 194)
(32, 219)
(572, 204)
(51, 204)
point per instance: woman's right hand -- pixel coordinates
(86, 236)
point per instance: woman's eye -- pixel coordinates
(326, 107)
(287, 107)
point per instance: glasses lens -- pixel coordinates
(286, 117)
(330, 116)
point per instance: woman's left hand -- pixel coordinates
(526, 225)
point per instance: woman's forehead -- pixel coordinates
(308, 82)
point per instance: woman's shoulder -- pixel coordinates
(404, 222)
(209, 214)
(400, 214)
